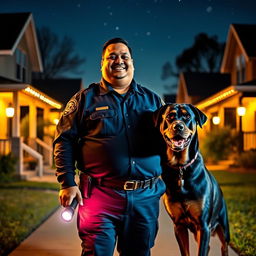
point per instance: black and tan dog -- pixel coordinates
(193, 198)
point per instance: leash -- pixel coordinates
(182, 168)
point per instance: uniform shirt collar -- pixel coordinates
(106, 87)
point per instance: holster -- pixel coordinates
(85, 185)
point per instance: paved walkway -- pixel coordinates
(56, 238)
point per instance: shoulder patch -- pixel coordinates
(70, 107)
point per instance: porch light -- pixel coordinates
(9, 111)
(216, 120)
(55, 121)
(241, 111)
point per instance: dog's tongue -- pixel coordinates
(178, 143)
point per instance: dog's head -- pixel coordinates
(177, 124)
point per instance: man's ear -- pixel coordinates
(200, 116)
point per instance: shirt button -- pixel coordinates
(126, 115)
(133, 162)
(128, 126)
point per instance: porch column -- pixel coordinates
(32, 125)
(17, 153)
(16, 117)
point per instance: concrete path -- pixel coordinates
(55, 238)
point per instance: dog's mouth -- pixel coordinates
(178, 143)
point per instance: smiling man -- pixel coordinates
(107, 131)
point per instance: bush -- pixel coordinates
(219, 144)
(247, 159)
(7, 167)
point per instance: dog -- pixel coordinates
(193, 198)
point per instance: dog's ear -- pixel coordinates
(157, 115)
(200, 116)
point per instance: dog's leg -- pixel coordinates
(181, 234)
(203, 238)
(224, 244)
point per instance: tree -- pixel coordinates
(57, 54)
(203, 56)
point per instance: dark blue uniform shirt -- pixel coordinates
(109, 135)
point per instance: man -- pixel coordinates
(107, 129)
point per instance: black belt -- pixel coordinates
(126, 184)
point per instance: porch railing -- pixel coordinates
(5, 146)
(36, 155)
(249, 140)
(41, 147)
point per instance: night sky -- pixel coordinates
(157, 30)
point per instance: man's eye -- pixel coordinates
(125, 57)
(111, 57)
(187, 116)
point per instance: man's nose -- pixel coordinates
(178, 126)
(119, 59)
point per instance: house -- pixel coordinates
(24, 109)
(229, 97)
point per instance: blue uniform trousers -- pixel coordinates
(128, 217)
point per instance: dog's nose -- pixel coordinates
(178, 127)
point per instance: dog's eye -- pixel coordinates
(187, 116)
(170, 117)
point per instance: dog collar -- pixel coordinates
(183, 167)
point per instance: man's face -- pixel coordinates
(117, 65)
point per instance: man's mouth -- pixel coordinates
(178, 143)
(119, 67)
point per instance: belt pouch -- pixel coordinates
(85, 185)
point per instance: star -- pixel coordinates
(111, 13)
(148, 33)
(105, 24)
(78, 5)
(209, 9)
(116, 28)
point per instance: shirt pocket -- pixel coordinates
(102, 123)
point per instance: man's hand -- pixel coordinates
(68, 194)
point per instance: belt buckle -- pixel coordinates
(130, 185)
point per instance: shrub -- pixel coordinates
(247, 159)
(7, 167)
(219, 144)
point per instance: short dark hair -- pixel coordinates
(116, 40)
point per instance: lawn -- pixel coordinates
(239, 190)
(23, 207)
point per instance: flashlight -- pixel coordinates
(68, 212)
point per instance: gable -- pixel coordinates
(243, 37)
(16, 27)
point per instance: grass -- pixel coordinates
(23, 207)
(239, 190)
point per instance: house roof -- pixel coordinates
(243, 35)
(10, 85)
(60, 89)
(247, 36)
(205, 84)
(13, 27)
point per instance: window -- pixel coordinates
(21, 65)
(240, 69)
(230, 117)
